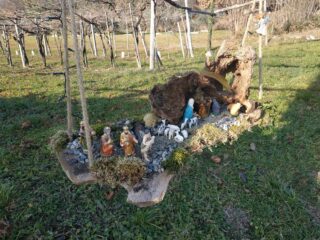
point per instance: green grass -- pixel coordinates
(275, 187)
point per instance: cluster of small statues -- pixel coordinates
(128, 141)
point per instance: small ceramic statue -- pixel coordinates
(203, 110)
(188, 112)
(127, 142)
(107, 146)
(146, 145)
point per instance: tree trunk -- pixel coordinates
(143, 41)
(114, 38)
(260, 56)
(47, 45)
(152, 33)
(19, 38)
(39, 38)
(210, 25)
(7, 46)
(135, 40)
(108, 36)
(83, 45)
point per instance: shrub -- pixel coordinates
(59, 141)
(176, 160)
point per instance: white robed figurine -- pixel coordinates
(262, 25)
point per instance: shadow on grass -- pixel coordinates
(269, 193)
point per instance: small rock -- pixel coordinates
(253, 147)
(216, 159)
(226, 156)
(26, 124)
(243, 177)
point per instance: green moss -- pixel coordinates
(98, 128)
(177, 160)
(59, 141)
(116, 170)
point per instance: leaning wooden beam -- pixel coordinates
(143, 41)
(66, 66)
(81, 84)
(233, 7)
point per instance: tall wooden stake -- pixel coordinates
(260, 56)
(265, 12)
(152, 34)
(66, 67)
(180, 40)
(135, 40)
(7, 46)
(188, 30)
(94, 42)
(81, 84)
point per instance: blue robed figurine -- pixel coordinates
(188, 112)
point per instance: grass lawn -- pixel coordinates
(270, 193)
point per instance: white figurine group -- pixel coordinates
(179, 134)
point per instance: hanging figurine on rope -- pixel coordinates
(263, 25)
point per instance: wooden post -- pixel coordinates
(248, 24)
(66, 67)
(260, 56)
(95, 52)
(180, 40)
(19, 43)
(81, 84)
(143, 41)
(152, 34)
(135, 40)
(210, 24)
(188, 30)
(167, 40)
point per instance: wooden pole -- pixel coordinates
(152, 34)
(83, 45)
(265, 12)
(260, 56)
(188, 30)
(180, 40)
(19, 43)
(81, 84)
(248, 24)
(66, 67)
(135, 40)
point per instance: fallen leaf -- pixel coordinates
(26, 124)
(216, 159)
(109, 195)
